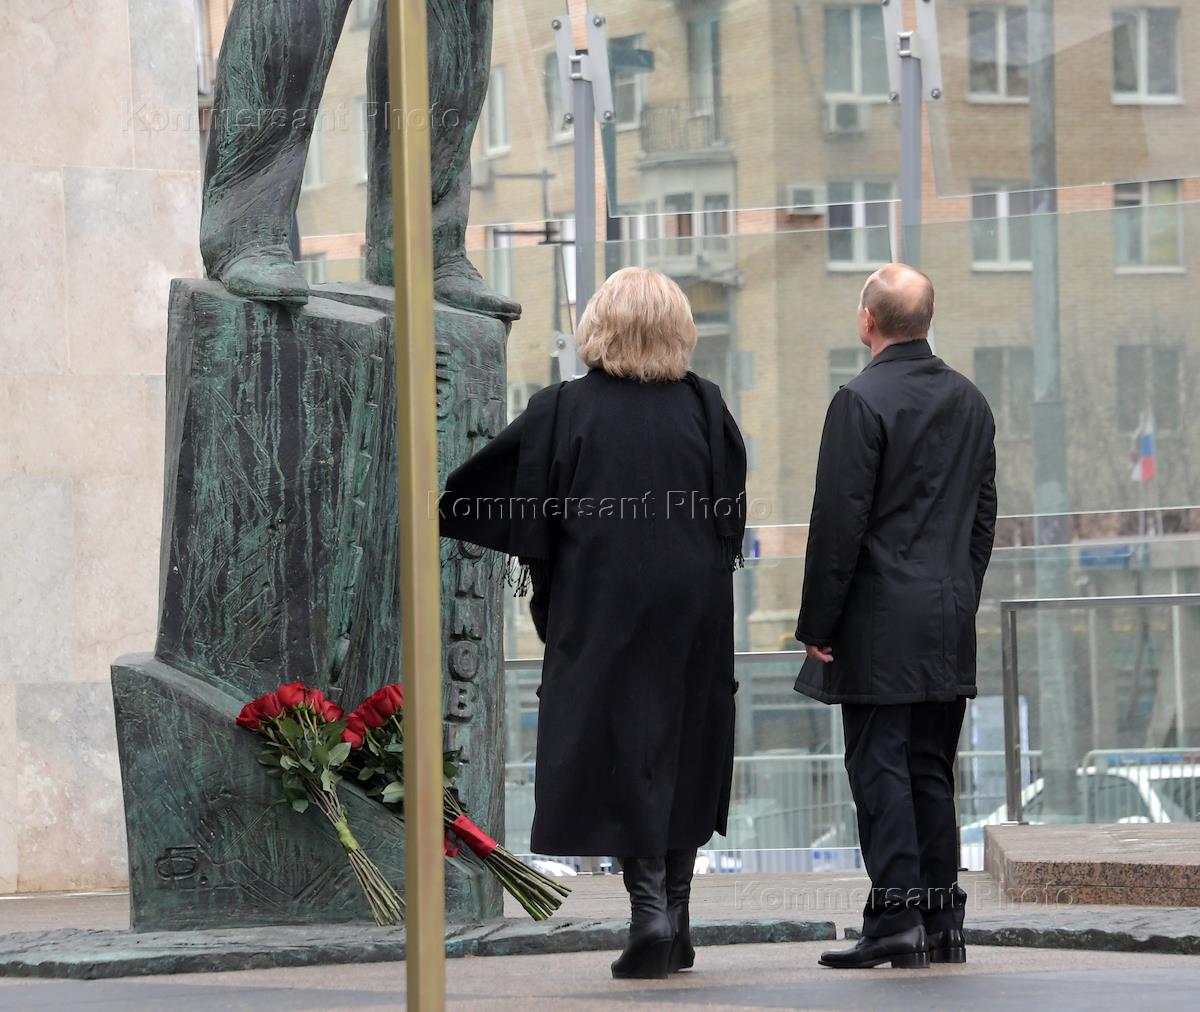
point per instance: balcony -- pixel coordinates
(685, 128)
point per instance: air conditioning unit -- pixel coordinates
(805, 200)
(847, 117)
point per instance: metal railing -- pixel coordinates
(795, 802)
(1009, 610)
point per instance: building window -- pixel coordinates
(495, 114)
(204, 67)
(363, 120)
(566, 237)
(1148, 225)
(1005, 377)
(629, 85)
(855, 52)
(716, 222)
(500, 266)
(639, 230)
(315, 268)
(314, 163)
(1149, 382)
(367, 9)
(704, 65)
(679, 226)
(844, 365)
(1145, 44)
(859, 216)
(999, 54)
(560, 130)
(1000, 228)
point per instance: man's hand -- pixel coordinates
(824, 654)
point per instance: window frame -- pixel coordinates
(1178, 267)
(314, 162)
(1004, 262)
(1004, 412)
(1001, 95)
(560, 132)
(862, 356)
(635, 41)
(1143, 96)
(856, 62)
(501, 275)
(1148, 350)
(858, 227)
(363, 105)
(490, 148)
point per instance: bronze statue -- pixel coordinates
(270, 77)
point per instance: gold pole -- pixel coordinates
(416, 452)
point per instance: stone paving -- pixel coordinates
(84, 936)
(730, 977)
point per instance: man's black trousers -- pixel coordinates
(900, 759)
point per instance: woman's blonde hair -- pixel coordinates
(638, 325)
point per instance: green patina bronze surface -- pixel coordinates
(271, 73)
(279, 561)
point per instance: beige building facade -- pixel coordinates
(99, 201)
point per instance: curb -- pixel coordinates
(1031, 936)
(76, 954)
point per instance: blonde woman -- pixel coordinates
(623, 492)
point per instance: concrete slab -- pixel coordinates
(1151, 864)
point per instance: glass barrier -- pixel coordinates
(744, 105)
(1119, 82)
(776, 316)
(1123, 706)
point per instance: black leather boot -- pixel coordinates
(680, 864)
(648, 951)
(947, 946)
(907, 950)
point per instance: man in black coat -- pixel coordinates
(901, 535)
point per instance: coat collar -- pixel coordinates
(901, 351)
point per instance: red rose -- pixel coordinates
(291, 695)
(249, 717)
(355, 731)
(332, 712)
(386, 701)
(396, 694)
(370, 715)
(314, 699)
(270, 706)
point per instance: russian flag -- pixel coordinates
(1143, 450)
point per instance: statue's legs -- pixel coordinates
(460, 47)
(270, 76)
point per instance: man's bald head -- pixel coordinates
(900, 299)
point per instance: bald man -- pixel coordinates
(901, 535)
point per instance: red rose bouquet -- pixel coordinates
(303, 734)
(375, 733)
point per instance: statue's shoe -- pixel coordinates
(457, 283)
(265, 276)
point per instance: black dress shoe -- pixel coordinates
(947, 947)
(908, 950)
(648, 952)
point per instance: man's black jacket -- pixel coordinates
(902, 527)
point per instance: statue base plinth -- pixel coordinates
(280, 562)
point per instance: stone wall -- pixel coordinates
(99, 209)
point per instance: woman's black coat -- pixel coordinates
(627, 501)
